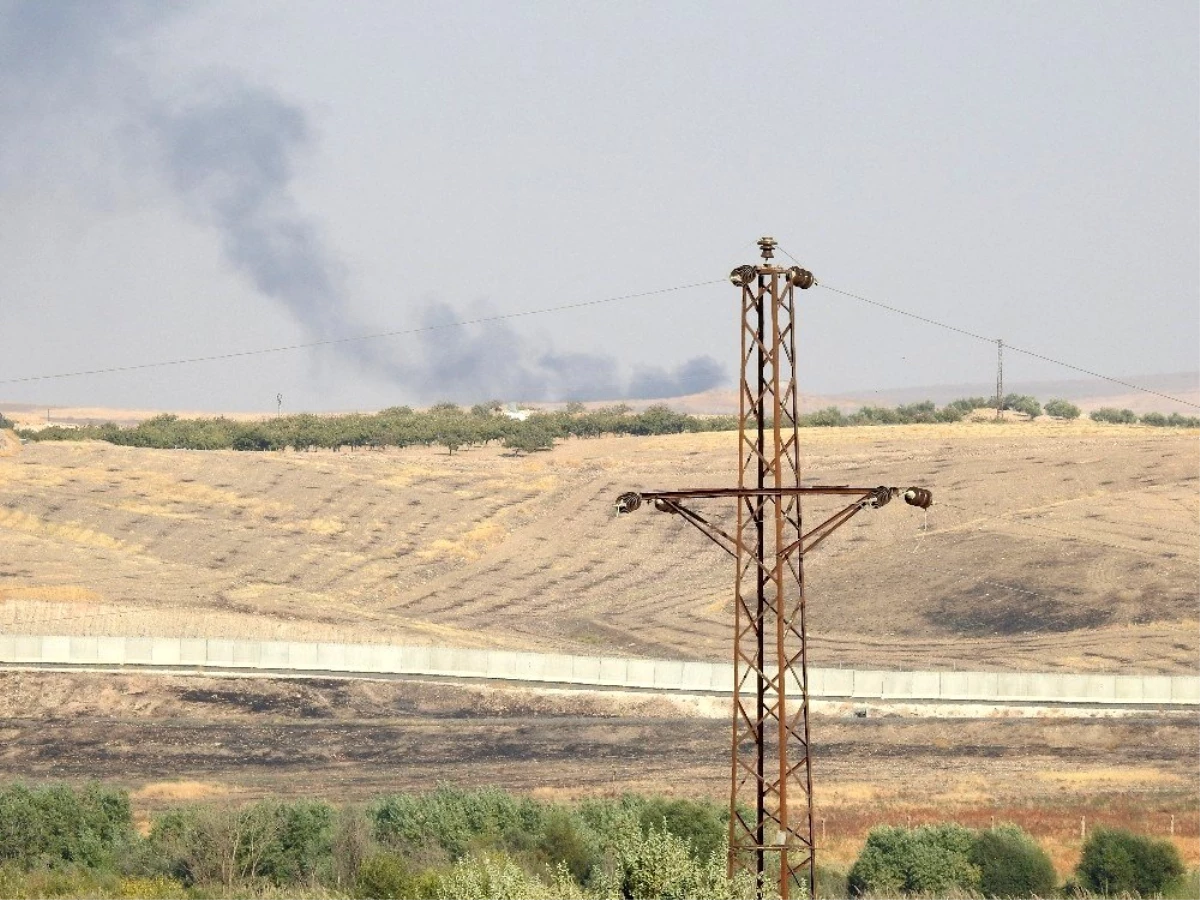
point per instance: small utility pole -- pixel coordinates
(278, 405)
(999, 377)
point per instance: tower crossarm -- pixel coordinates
(862, 498)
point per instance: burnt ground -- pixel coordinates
(169, 739)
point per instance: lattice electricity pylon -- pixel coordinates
(771, 798)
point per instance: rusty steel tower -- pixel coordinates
(771, 822)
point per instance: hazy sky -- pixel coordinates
(202, 178)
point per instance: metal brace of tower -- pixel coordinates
(771, 831)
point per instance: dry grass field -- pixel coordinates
(1051, 546)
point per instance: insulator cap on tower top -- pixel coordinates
(743, 275)
(919, 497)
(628, 502)
(801, 278)
(881, 496)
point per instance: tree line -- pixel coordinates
(451, 843)
(1154, 419)
(455, 427)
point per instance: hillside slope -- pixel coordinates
(1051, 546)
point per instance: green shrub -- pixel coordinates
(55, 825)
(1175, 420)
(1062, 409)
(703, 824)
(658, 864)
(829, 417)
(659, 419)
(1011, 864)
(566, 841)
(300, 842)
(875, 415)
(533, 437)
(255, 438)
(1113, 415)
(1023, 403)
(967, 405)
(387, 876)
(286, 843)
(1158, 420)
(457, 820)
(917, 413)
(931, 859)
(949, 414)
(497, 877)
(1116, 861)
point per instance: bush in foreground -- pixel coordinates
(931, 859)
(56, 826)
(388, 876)
(1118, 862)
(948, 859)
(1011, 864)
(284, 843)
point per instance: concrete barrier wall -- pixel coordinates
(600, 671)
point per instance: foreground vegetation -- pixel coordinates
(56, 841)
(454, 427)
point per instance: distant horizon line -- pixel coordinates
(1083, 389)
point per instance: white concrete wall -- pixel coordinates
(600, 671)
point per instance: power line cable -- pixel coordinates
(1008, 346)
(362, 337)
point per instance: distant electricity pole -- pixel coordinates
(999, 377)
(771, 797)
(278, 405)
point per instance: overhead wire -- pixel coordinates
(328, 342)
(1007, 345)
(499, 317)
(238, 354)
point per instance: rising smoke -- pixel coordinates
(227, 149)
(230, 156)
(490, 359)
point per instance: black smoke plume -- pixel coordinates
(228, 149)
(490, 359)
